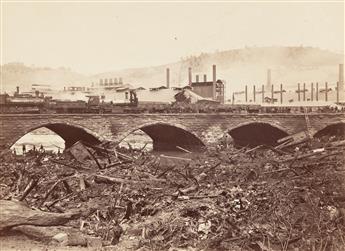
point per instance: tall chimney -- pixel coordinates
(246, 93)
(197, 78)
(189, 76)
(205, 78)
(341, 76)
(168, 78)
(17, 89)
(268, 83)
(214, 79)
(263, 94)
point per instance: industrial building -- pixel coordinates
(207, 89)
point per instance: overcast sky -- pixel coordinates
(98, 37)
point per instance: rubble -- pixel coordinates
(227, 198)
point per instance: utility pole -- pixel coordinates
(312, 92)
(299, 92)
(304, 90)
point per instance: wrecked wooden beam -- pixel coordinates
(183, 149)
(103, 178)
(173, 157)
(16, 213)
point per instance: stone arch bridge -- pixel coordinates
(166, 130)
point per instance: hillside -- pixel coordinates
(238, 67)
(289, 65)
(18, 74)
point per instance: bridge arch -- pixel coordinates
(257, 133)
(166, 136)
(68, 132)
(335, 129)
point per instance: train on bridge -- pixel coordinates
(36, 104)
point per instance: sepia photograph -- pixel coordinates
(172, 125)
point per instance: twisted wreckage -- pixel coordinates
(288, 197)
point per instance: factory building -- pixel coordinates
(208, 89)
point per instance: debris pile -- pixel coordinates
(227, 198)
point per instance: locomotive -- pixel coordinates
(22, 103)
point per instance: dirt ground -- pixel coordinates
(20, 242)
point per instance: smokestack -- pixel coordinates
(17, 89)
(341, 76)
(246, 93)
(189, 76)
(168, 78)
(120, 81)
(268, 84)
(205, 78)
(197, 78)
(214, 79)
(263, 93)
